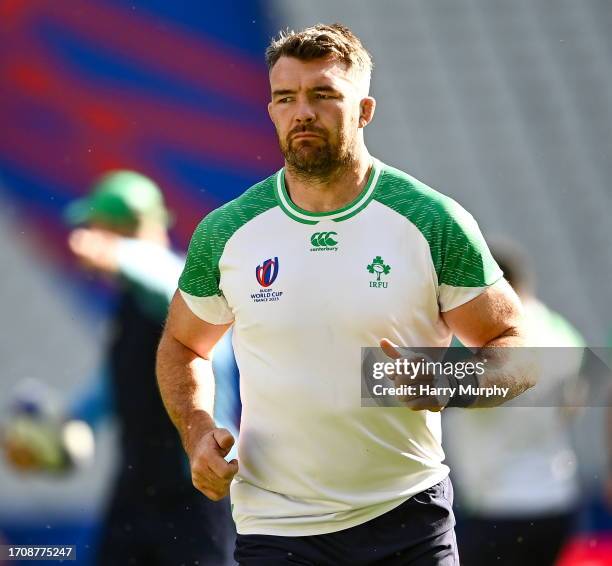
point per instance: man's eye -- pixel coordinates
(285, 99)
(323, 96)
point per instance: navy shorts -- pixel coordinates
(419, 532)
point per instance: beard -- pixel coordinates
(318, 158)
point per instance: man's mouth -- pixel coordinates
(305, 135)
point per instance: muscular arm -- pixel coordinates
(186, 383)
(493, 322)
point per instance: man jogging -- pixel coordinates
(334, 252)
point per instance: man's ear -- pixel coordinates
(367, 106)
(270, 110)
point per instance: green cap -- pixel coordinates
(120, 198)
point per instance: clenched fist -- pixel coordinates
(210, 473)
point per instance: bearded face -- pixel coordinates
(313, 151)
(315, 109)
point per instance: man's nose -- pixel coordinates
(304, 113)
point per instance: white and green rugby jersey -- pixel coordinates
(305, 292)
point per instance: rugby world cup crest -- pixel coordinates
(267, 272)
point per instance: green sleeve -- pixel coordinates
(200, 277)
(464, 259)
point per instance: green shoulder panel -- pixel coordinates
(459, 253)
(201, 275)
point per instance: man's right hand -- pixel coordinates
(210, 473)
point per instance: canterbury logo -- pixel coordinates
(324, 239)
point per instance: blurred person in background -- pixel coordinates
(514, 467)
(155, 515)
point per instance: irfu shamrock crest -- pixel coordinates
(379, 267)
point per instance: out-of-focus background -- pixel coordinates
(504, 106)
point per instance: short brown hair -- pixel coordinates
(320, 41)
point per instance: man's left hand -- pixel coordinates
(420, 379)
